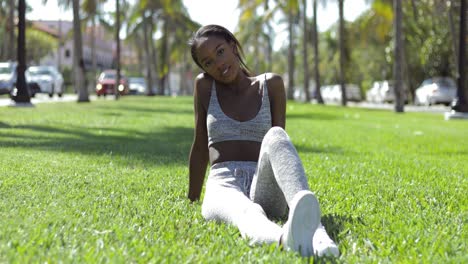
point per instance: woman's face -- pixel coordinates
(218, 58)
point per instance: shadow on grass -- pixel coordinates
(334, 224)
(314, 116)
(4, 125)
(309, 149)
(167, 145)
(172, 109)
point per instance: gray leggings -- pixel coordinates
(248, 194)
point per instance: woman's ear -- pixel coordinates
(234, 48)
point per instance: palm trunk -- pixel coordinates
(149, 78)
(22, 95)
(59, 46)
(461, 104)
(117, 53)
(78, 62)
(342, 55)
(291, 59)
(305, 56)
(154, 53)
(164, 57)
(398, 65)
(269, 48)
(453, 33)
(93, 49)
(316, 57)
(11, 32)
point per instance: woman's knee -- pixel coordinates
(276, 136)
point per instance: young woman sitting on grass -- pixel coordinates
(255, 172)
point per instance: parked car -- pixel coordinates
(8, 76)
(436, 90)
(384, 92)
(106, 83)
(49, 79)
(137, 85)
(373, 95)
(332, 93)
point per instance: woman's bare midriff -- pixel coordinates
(236, 150)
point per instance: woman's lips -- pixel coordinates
(225, 71)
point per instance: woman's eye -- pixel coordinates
(220, 51)
(207, 64)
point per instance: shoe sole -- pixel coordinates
(305, 218)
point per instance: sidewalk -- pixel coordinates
(44, 98)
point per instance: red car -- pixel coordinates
(106, 83)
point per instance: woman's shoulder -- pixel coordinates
(273, 80)
(203, 83)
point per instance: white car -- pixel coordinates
(436, 90)
(49, 79)
(332, 93)
(373, 94)
(384, 92)
(137, 85)
(7, 77)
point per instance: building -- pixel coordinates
(63, 57)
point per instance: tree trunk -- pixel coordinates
(154, 53)
(78, 62)
(398, 64)
(342, 55)
(269, 48)
(291, 59)
(450, 12)
(461, 104)
(305, 55)
(316, 57)
(11, 32)
(93, 50)
(164, 58)
(22, 95)
(59, 46)
(117, 53)
(149, 77)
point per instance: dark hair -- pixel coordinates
(218, 31)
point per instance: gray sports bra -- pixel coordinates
(223, 128)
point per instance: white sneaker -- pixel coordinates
(303, 220)
(323, 245)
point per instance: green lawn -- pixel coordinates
(105, 182)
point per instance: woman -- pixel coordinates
(255, 172)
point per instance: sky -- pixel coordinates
(222, 12)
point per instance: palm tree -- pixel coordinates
(92, 9)
(342, 53)
(398, 64)
(316, 56)
(117, 54)
(11, 32)
(292, 11)
(149, 77)
(140, 22)
(22, 95)
(305, 50)
(461, 104)
(78, 61)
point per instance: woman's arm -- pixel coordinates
(277, 96)
(198, 158)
